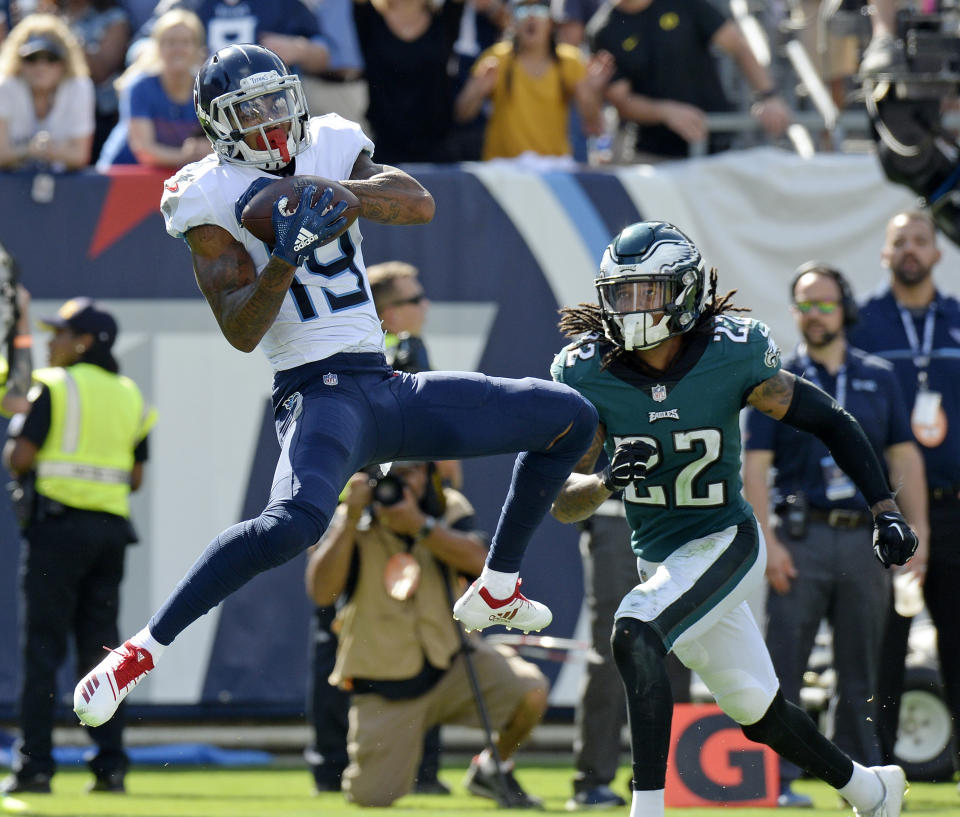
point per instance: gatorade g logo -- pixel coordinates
(712, 762)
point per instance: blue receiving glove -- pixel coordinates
(894, 542)
(298, 234)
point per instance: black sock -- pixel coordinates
(791, 732)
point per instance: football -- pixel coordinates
(257, 214)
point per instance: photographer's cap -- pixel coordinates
(82, 316)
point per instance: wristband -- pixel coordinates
(763, 96)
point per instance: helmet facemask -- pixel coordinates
(271, 106)
(641, 310)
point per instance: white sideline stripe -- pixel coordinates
(545, 227)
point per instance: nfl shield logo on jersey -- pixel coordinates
(330, 379)
(659, 393)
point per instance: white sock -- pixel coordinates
(149, 643)
(647, 804)
(499, 585)
(485, 761)
(864, 791)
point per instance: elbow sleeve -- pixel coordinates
(815, 411)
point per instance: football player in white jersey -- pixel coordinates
(338, 406)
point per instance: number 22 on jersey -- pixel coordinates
(687, 490)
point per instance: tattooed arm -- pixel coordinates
(583, 491)
(799, 403)
(774, 396)
(387, 194)
(244, 304)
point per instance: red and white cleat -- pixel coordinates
(478, 609)
(101, 690)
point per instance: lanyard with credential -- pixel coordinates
(810, 372)
(921, 354)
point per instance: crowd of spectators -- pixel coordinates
(429, 80)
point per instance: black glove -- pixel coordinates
(894, 542)
(299, 233)
(628, 465)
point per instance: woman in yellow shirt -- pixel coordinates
(531, 81)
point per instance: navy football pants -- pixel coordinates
(348, 411)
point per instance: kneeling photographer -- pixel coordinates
(394, 550)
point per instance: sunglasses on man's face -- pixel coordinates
(42, 56)
(531, 10)
(413, 300)
(823, 307)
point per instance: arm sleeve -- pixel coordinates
(813, 410)
(142, 451)
(36, 425)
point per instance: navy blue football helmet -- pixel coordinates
(650, 285)
(243, 89)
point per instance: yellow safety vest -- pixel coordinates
(97, 418)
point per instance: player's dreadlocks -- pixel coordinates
(586, 320)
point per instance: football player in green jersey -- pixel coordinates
(669, 369)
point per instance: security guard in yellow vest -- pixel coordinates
(82, 444)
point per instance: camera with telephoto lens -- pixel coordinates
(387, 489)
(904, 104)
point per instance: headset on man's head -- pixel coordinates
(851, 311)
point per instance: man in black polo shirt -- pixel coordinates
(666, 76)
(819, 563)
(917, 329)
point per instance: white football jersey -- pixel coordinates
(329, 308)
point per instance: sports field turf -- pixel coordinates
(287, 793)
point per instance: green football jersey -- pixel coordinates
(691, 415)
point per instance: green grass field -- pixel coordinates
(288, 793)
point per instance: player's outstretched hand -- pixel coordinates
(299, 233)
(628, 465)
(894, 541)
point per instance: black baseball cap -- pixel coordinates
(40, 44)
(82, 316)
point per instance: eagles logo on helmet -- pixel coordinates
(246, 89)
(650, 285)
